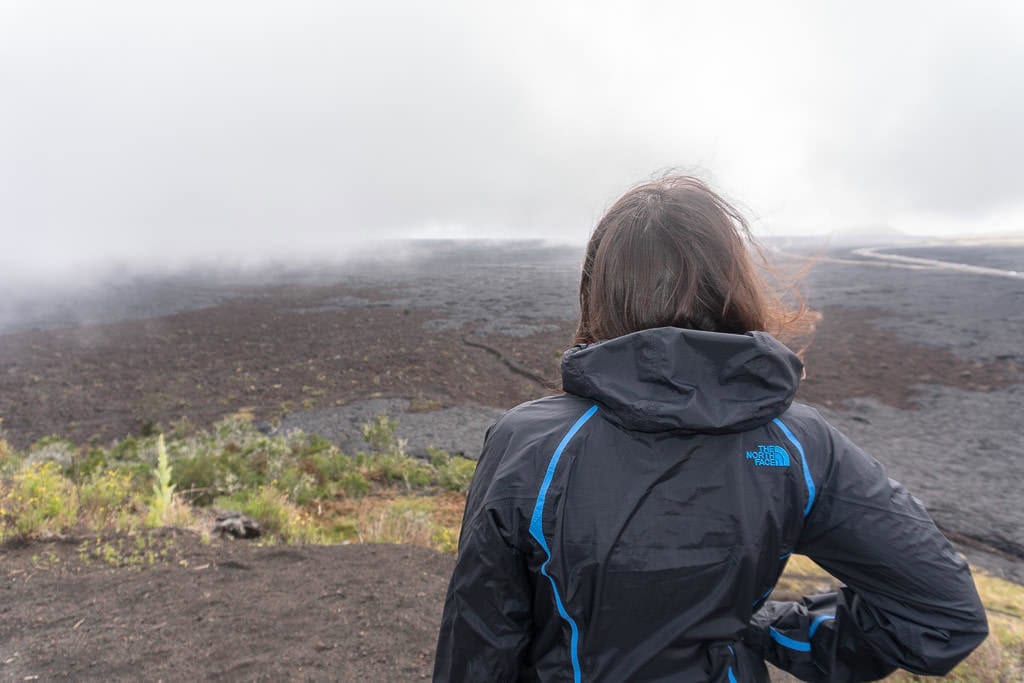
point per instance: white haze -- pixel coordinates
(165, 133)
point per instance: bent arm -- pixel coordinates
(909, 600)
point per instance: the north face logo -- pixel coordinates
(769, 456)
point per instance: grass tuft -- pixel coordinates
(163, 489)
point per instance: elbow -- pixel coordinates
(974, 630)
(954, 642)
(960, 627)
(973, 626)
(978, 624)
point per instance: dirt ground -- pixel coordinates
(103, 381)
(227, 611)
(273, 355)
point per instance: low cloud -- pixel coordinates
(139, 133)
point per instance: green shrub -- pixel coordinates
(230, 458)
(40, 500)
(300, 486)
(196, 477)
(128, 450)
(401, 468)
(456, 474)
(82, 468)
(317, 444)
(107, 499)
(354, 484)
(438, 457)
(327, 466)
(379, 434)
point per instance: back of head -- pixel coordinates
(672, 252)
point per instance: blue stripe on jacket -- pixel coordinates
(537, 531)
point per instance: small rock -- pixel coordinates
(235, 525)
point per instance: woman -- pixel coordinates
(632, 528)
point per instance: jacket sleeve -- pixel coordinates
(487, 620)
(909, 600)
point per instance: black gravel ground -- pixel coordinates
(959, 451)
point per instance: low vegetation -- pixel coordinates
(301, 488)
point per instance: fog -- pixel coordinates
(150, 135)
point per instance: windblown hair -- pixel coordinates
(672, 252)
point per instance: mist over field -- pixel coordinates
(134, 136)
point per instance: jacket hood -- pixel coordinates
(673, 379)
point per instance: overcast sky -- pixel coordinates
(142, 130)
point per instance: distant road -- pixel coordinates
(877, 257)
(876, 253)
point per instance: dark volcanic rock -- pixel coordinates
(236, 525)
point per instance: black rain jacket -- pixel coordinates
(632, 529)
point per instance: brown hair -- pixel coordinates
(672, 252)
